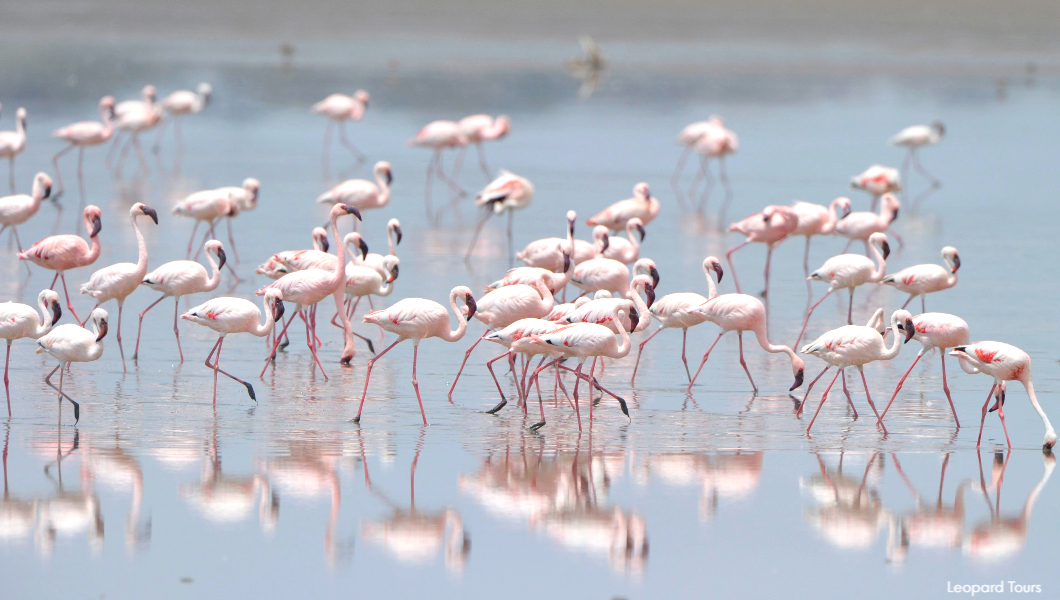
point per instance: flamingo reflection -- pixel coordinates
(1004, 535)
(68, 514)
(17, 515)
(929, 525)
(224, 498)
(733, 476)
(119, 471)
(849, 513)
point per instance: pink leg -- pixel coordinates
(592, 370)
(807, 321)
(577, 408)
(368, 376)
(769, 258)
(868, 397)
(7, 382)
(946, 388)
(427, 189)
(641, 350)
(191, 241)
(705, 356)
(176, 326)
(489, 365)
(232, 240)
(1001, 413)
(823, 398)
(982, 420)
(309, 341)
(802, 404)
(140, 326)
(908, 300)
(415, 383)
(272, 354)
(899, 386)
(47, 380)
(850, 308)
(728, 257)
(850, 400)
(121, 351)
(69, 304)
(466, 355)
(923, 305)
(216, 367)
(743, 363)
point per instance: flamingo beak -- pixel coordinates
(471, 306)
(393, 274)
(649, 291)
(147, 210)
(640, 230)
(798, 380)
(96, 226)
(566, 262)
(570, 226)
(956, 263)
(634, 318)
(397, 230)
(352, 210)
(607, 242)
(47, 192)
(766, 217)
(277, 310)
(886, 250)
(894, 216)
(717, 269)
(909, 330)
(221, 258)
(102, 330)
(57, 312)
(324, 243)
(846, 211)
(364, 250)
(654, 276)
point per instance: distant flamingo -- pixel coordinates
(211, 205)
(815, 219)
(393, 239)
(626, 250)
(16, 210)
(339, 108)
(877, 180)
(12, 143)
(862, 224)
(61, 253)
(856, 346)
(182, 278)
(227, 315)
(80, 135)
(914, 138)
(716, 142)
(244, 198)
(417, 319)
(920, 280)
(507, 193)
(1004, 363)
(73, 343)
(178, 105)
(439, 135)
(849, 271)
(135, 118)
(19, 321)
(687, 137)
(548, 253)
(148, 95)
(642, 205)
(118, 281)
(478, 129)
(362, 193)
(771, 226)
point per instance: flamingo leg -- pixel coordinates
(121, 350)
(982, 420)
(540, 402)
(466, 355)
(769, 258)
(232, 241)
(58, 175)
(427, 189)
(899, 386)
(592, 369)
(415, 383)
(482, 160)
(728, 257)
(156, 148)
(923, 304)
(11, 173)
(113, 147)
(802, 404)
(577, 409)
(946, 388)
(140, 154)
(18, 244)
(703, 169)
(217, 369)
(489, 365)
(478, 229)
(640, 350)
(272, 354)
(703, 362)
(1001, 413)
(368, 376)
(80, 180)
(743, 363)
(7, 382)
(908, 300)
(823, 398)
(178, 138)
(868, 397)
(850, 308)
(457, 164)
(808, 313)
(48, 380)
(675, 179)
(850, 400)
(70, 305)
(724, 177)
(349, 146)
(309, 342)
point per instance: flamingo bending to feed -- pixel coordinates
(417, 319)
(17, 209)
(478, 129)
(61, 253)
(118, 281)
(862, 224)
(625, 250)
(849, 271)
(12, 143)
(920, 280)
(339, 108)
(362, 193)
(716, 142)
(73, 343)
(227, 315)
(181, 278)
(81, 135)
(877, 180)
(935, 330)
(914, 138)
(642, 205)
(180, 104)
(19, 321)
(815, 219)
(1004, 363)
(439, 135)
(507, 193)
(770, 227)
(856, 346)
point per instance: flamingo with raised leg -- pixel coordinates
(439, 135)
(478, 129)
(61, 253)
(81, 135)
(73, 343)
(921, 280)
(507, 193)
(770, 227)
(19, 321)
(12, 143)
(17, 209)
(339, 108)
(363, 194)
(877, 180)
(642, 205)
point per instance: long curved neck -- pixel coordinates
(20, 127)
(383, 289)
(215, 277)
(763, 341)
(1038, 407)
(881, 264)
(384, 189)
(141, 247)
(712, 289)
(829, 227)
(45, 320)
(952, 279)
(338, 278)
(623, 347)
(265, 328)
(545, 295)
(391, 245)
(642, 307)
(1028, 506)
(566, 275)
(93, 252)
(896, 342)
(461, 322)
(632, 236)
(570, 241)
(105, 114)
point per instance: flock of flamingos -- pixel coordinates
(520, 311)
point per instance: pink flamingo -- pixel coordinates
(311, 286)
(61, 253)
(244, 198)
(148, 95)
(850, 271)
(16, 210)
(439, 135)
(527, 275)
(1004, 363)
(815, 219)
(227, 315)
(856, 346)
(642, 205)
(920, 280)
(300, 260)
(73, 343)
(478, 129)
(716, 142)
(610, 275)
(118, 281)
(318, 235)
(362, 193)
(862, 224)
(519, 338)
(393, 239)
(12, 143)
(934, 330)
(339, 108)
(182, 278)
(625, 250)
(211, 205)
(877, 180)
(180, 104)
(81, 135)
(606, 311)
(770, 227)
(507, 193)
(417, 319)
(687, 137)
(19, 321)
(560, 312)
(136, 117)
(914, 138)
(548, 253)
(364, 280)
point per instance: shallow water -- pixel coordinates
(159, 490)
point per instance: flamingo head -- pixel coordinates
(362, 97)
(42, 185)
(320, 236)
(20, 116)
(218, 249)
(634, 317)
(106, 103)
(142, 209)
(469, 300)
(880, 240)
(714, 264)
(571, 218)
(395, 226)
(149, 93)
(798, 367)
(252, 186)
(566, 262)
(345, 209)
(382, 170)
(204, 90)
(843, 203)
(502, 125)
(50, 300)
(363, 248)
(939, 128)
(601, 235)
(274, 297)
(638, 225)
(391, 263)
(93, 218)
(903, 321)
(642, 191)
(950, 253)
(99, 318)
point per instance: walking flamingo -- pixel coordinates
(362, 193)
(210, 205)
(17, 209)
(606, 311)
(439, 135)
(877, 180)
(339, 108)
(920, 280)
(135, 118)
(1004, 363)
(227, 315)
(12, 143)
(417, 319)
(478, 129)
(73, 343)
(716, 142)
(815, 219)
(19, 321)
(508, 192)
(521, 338)
(862, 224)
(61, 253)
(181, 278)
(625, 250)
(179, 104)
(642, 205)
(80, 135)
(934, 330)
(849, 271)
(856, 346)
(244, 198)
(118, 281)
(687, 137)
(148, 95)
(914, 138)
(548, 253)
(771, 226)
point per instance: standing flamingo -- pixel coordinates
(508, 192)
(61, 253)
(439, 135)
(12, 143)
(914, 138)
(227, 315)
(877, 180)
(527, 275)
(862, 224)
(181, 278)
(118, 281)
(920, 280)
(244, 198)
(815, 219)
(1004, 363)
(606, 311)
(849, 271)
(521, 338)
(178, 105)
(339, 108)
(73, 343)
(642, 205)
(934, 330)
(210, 205)
(16, 210)
(417, 319)
(299, 260)
(80, 135)
(362, 193)
(393, 238)
(478, 129)
(135, 119)
(716, 142)
(148, 95)
(771, 226)
(19, 321)
(548, 253)
(856, 346)
(626, 250)
(687, 137)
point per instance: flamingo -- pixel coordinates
(319, 236)
(764, 228)
(417, 319)
(311, 286)
(118, 281)
(478, 129)
(19, 321)
(642, 205)
(73, 343)
(625, 250)
(61, 253)
(362, 193)
(934, 330)
(920, 280)
(518, 338)
(914, 138)
(439, 135)
(1004, 363)
(339, 108)
(1003, 536)
(606, 311)
(610, 275)
(508, 192)
(363, 280)
(210, 205)
(17, 209)
(12, 143)
(393, 239)
(244, 198)
(81, 135)
(300, 260)
(687, 137)
(179, 104)
(862, 224)
(877, 180)
(135, 118)
(527, 275)
(856, 346)
(850, 271)
(227, 315)
(716, 142)
(560, 312)
(148, 95)
(182, 278)
(815, 219)
(272, 268)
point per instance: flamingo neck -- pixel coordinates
(642, 306)
(20, 126)
(215, 276)
(338, 291)
(93, 252)
(108, 126)
(45, 324)
(265, 328)
(570, 242)
(712, 289)
(881, 264)
(896, 342)
(545, 295)
(461, 322)
(339, 274)
(952, 279)
(383, 289)
(391, 245)
(141, 248)
(623, 347)
(384, 190)
(633, 237)
(1049, 431)
(829, 226)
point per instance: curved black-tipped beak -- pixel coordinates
(909, 330)
(364, 250)
(956, 262)
(277, 310)
(634, 318)
(649, 291)
(846, 211)
(102, 330)
(96, 226)
(895, 215)
(57, 312)
(717, 269)
(47, 192)
(389, 177)
(325, 245)
(221, 258)
(471, 306)
(566, 262)
(147, 210)
(397, 230)
(607, 242)
(393, 274)
(640, 230)
(654, 276)
(798, 381)
(886, 250)
(352, 210)
(570, 226)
